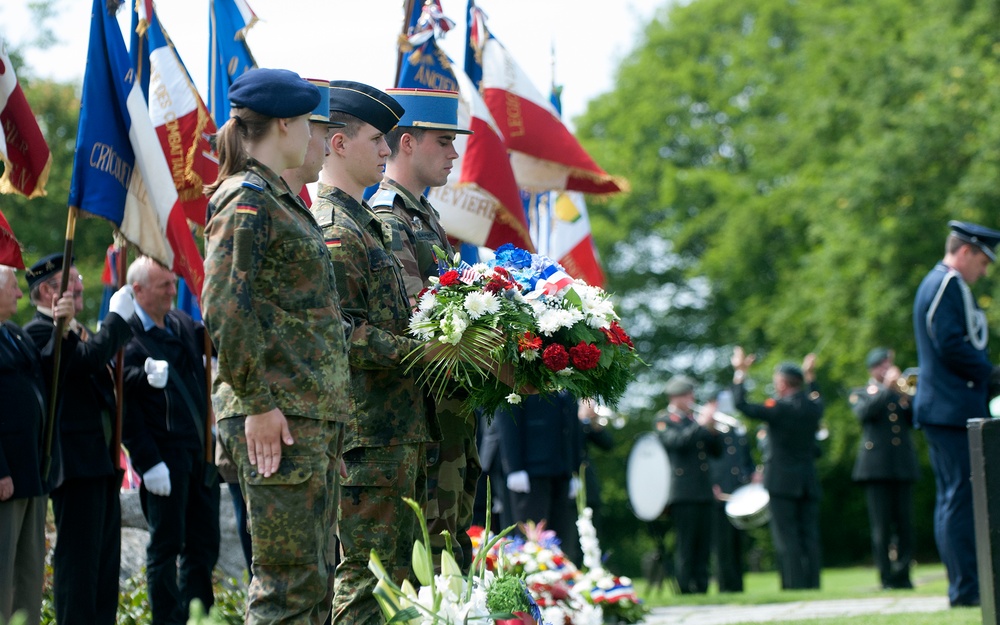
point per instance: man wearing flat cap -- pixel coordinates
(790, 477)
(955, 373)
(422, 149)
(691, 439)
(85, 503)
(386, 437)
(886, 466)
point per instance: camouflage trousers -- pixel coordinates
(291, 517)
(374, 516)
(453, 471)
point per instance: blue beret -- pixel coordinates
(428, 108)
(321, 114)
(876, 357)
(984, 238)
(44, 268)
(791, 370)
(274, 93)
(366, 103)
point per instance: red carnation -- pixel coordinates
(449, 278)
(585, 355)
(494, 286)
(555, 357)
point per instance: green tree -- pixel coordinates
(794, 164)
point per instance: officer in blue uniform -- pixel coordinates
(955, 372)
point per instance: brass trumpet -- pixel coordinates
(723, 422)
(906, 383)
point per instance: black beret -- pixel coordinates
(791, 370)
(679, 385)
(44, 268)
(984, 238)
(274, 93)
(876, 356)
(366, 103)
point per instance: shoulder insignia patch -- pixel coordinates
(252, 185)
(332, 243)
(244, 209)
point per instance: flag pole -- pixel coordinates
(407, 12)
(57, 332)
(209, 413)
(116, 434)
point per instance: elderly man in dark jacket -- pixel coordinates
(25, 374)
(86, 504)
(790, 470)
(164, 432)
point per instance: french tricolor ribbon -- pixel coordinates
(551, 281)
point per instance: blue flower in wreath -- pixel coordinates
(512, 256)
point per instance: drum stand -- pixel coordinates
(658, 565)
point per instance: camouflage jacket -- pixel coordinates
(387, 407)
(270, 303)
(417, 229)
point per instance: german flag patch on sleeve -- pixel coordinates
(245, 209)
(332, 243)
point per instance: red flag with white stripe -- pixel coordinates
(10, 247)
(544, 153)
(183, 126)
(25, 153)
(483, 206)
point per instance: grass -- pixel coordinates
(845, 583)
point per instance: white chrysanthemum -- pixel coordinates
(428, 301)
(422, 327)
(481, 269)
(538, 307)
(514, 399)
(529, 355)
(568, 371)
(479, 303)
(550, 321)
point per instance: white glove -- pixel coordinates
(123, 302)
(518, 482)
(156, 372)
(157, 480)
(574, 486)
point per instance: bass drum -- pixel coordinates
(749, 507)
(648, 477)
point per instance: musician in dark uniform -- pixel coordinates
(955, 372)
(790, 470)
(732, 469)
(86, 504)
(691, 440)
(886, 466)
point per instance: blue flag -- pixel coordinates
(119, 170)
(228, 54)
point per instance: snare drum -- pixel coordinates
(648, 477)
(748, 507)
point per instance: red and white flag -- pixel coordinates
(10, 247)
(183, 126)
(544, 153)
(483, 206)
(25, 154)
(560, 228)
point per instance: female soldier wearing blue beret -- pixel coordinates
(271, 306)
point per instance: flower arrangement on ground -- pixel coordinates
(519, 317)
(451, 598)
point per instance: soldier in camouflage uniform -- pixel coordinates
(423, 150)
(271, 305)
(386, 437)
